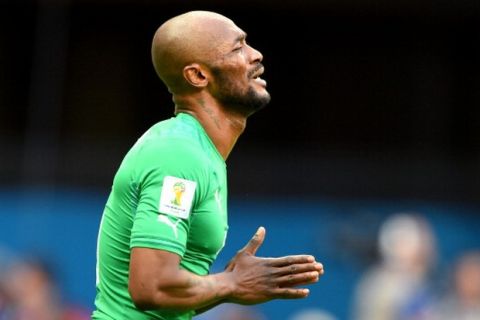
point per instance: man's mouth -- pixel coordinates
(258, 72)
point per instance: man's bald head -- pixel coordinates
(192, 37)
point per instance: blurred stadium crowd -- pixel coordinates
(29, 291)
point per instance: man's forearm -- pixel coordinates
(187, 291)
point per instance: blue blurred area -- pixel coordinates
(61, 227)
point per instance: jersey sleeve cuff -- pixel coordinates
(160, 244)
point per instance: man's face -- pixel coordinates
(237, 83)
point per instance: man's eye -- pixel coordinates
(237, 48)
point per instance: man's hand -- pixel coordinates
(256, 280)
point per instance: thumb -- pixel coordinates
(256, 241)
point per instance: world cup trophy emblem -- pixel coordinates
(178, 190)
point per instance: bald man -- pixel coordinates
(165, 220)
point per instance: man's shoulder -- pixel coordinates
(166, 143)
(174, 132)
(182, 125)
(170, 145)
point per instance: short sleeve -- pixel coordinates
(170, 182)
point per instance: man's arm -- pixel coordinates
(156, 280)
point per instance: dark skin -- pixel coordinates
(184, 51)
(156, 281)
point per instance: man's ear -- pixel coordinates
(195, 75)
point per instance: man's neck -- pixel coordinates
(223, 127)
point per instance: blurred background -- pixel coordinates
(368, 155)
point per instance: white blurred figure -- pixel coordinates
(463, 303)
(398, 287)
(313, 314)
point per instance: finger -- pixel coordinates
(289, 293)
(300, 284)
(256, 241)
(230, 265)
(299, 268)
(320, 269)
(292, 280)
(289, 260)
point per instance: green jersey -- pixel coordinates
(170, 193)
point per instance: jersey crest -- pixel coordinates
(177, 197)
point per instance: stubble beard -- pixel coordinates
(240, 101)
